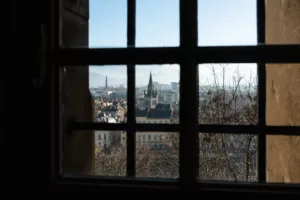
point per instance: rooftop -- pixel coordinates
(163, 106)
(160, 113)
(141, 112)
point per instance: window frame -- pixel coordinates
(188, 55)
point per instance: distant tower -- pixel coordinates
(106, 82)
(151, 97)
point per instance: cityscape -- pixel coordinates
(233, 157)
(155, 103)
(226, 95)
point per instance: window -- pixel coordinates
(188, 55)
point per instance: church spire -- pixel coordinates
(150, 79)
(150, 86)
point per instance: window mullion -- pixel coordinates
(131, 11)
(188, 94)
(261, 95)
(56, 40)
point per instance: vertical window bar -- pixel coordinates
(261, 94)
(188, 94)
(56, 44)
(131, 10)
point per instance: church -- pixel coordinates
(151, 97)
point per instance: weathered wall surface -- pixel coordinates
(283, 92)
(78, 147)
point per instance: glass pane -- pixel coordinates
(95, 93)
(282, 22)
(110, 94)
(228, 94)
(283, 159)
(283, 94)
(110, 159)
(157, 155)
(226, 22)
(95, 153)
(227, 157)
(157, 94)
(157, 23)
(94, 23)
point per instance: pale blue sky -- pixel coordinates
(220, 22)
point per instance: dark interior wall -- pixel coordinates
(78, 148)
(24, 105)
(26, 109)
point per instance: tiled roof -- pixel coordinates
(141, 112)
(159, 113)
(163, 106)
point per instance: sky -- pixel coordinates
(220, 22)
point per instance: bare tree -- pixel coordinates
(221, 156)
(159, 162)
(150, 162)
(228, 156)
(112, 163)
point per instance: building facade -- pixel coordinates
(105, 140)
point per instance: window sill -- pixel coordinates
(73, 185)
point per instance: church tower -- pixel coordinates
(151, 97)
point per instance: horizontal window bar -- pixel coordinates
(232, 54)
(138, 127)
(117, 56)
(248, 129)
(249, 54)
(203, 128)
(247, 187)
(283, 130)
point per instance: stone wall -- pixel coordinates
(283, 92)
(78, 147)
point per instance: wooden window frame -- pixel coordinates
(188, 55)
